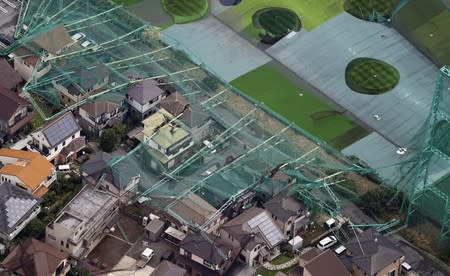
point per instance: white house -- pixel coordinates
(144, 96)
(59, 140)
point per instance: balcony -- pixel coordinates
(20, 122)
(45, 152)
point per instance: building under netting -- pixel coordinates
(73, 52)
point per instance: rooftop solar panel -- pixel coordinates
(61, 129)
(16, 208)
(266, 226)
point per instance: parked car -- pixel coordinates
(327, 242)
(406, 267)
(86, 44)
(340, 249)
(78, 36)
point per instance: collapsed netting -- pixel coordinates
(250, 143)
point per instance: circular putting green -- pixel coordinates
(276, 21)
(370, 10)
(184, 11)
(371, 76)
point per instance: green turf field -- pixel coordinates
(312, 13)
(267, 85)
(371, 76)
(184, 11)
(365, 8)
(426, 24)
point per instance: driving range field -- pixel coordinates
(312, 13)
(276, 91)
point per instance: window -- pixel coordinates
(73, 136)
(391, 273)
(64, 143)
(67, 245)
(51, 237)
(62, 243)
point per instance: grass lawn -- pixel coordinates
(280, 260)
(371, 76)
(312, 13)
(184, 11)
(364, 8)
(425, 23)
(267, 85)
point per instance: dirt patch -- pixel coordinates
(109, 251)
(133, 228)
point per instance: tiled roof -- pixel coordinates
(198, 245)
(145, 91)
(166, 268)
(9, 103)
(326, 264)
(378, 251)
(31, 167)
(15, 206)
(175, 103)
(9, 78)
(60, 129)
(97, 108)
(33, 257)
(54, 40)
(284, 206)
(194, 208)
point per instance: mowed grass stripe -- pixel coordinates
(265, 84)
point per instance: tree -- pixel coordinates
(120, 129)
(109, 140)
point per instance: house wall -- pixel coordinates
(15, 180)
(25, 70)
(84, 237)
(66, 97)
(201, 132)
(395, 266)
(143, 108)
(53, 152)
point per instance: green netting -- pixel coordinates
(249, 141)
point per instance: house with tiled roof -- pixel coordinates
(372, 254)
(59, 141)
(318, 263)
(28, 170)
(17, 209)
(258, 235)
(169, 143)
(192, 116)
(15, 113)
(206, 254)
(95, 116)
(34, 257)
(9, 78)
(288, 211)
(144, 96)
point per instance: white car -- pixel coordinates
(340, 249)
(86, 44)
(327, 242)
(78, 36)
(406, 267)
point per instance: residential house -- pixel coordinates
(198, 121)
(59, 140)
(15, 113)
(288, 212)
(194, 210)
(83, 222)
(169, 143)
(88, 81)
(33, 257)
(96, 171)
(319, 263)
(258, 235)
(27, 170)
(372, 254)
(53, 42)
(166, 268)
(144, 96)
(9, 78)
(212, 252)
(98, 115)
(17, 209)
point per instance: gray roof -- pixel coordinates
(252, 223)
(284, 206)
(154, 225)
(198, 245)
(60, 129)
(145, 91)
(99, 107)
(333, 265)
(97, 165)
(9, 78)
(90, 77)
(15, 206)
(166, 268)
(378, 251)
